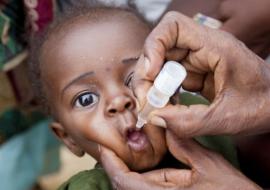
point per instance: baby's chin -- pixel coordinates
(144, 164)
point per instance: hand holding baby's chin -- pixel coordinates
(209, 171)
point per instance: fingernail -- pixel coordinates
(146, 64)
(158, 121)
(138, 105)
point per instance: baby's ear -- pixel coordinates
(61, 133)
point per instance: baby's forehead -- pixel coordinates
(97, 17)
(106, 37)
(64, 31)
(82, 38)
(83, 27)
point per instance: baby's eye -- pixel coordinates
(128, 81)
(86, 99)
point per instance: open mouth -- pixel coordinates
(136, 139)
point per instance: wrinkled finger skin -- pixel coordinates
(221, 68)
(209, 169)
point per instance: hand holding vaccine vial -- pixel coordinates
(166, 83)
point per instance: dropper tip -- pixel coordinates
(140, 123)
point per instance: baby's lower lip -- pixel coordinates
(137, 140)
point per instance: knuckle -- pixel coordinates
(171, 14)
(187, 125)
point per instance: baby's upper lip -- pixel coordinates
(135, 138)
(128, 123)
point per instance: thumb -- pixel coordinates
(173, 31)
(188, 151)
(111, 162)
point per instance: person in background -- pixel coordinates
(247, 20)
(27, 148)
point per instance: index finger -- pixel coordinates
(174, 31)
(140, 82)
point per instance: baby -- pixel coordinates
(83, 66)
(86, 62)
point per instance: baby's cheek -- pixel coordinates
(93, 150)
(156, 136)
(116, 144)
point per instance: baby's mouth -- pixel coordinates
(136, 139)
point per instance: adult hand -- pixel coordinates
(208, 171)
(219, 66)
(249, 21)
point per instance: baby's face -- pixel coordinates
(86, 74)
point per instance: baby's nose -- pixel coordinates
(120, 104)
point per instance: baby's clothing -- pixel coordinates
(94, 179)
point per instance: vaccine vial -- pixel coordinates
(166, 83)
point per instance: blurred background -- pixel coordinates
(31, 158)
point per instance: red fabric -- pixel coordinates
(40, 13)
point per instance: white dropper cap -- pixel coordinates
(170, 78)
(166, 83)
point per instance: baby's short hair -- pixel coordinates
(91, 13)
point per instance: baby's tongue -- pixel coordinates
(137, 140)
(134, 135)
